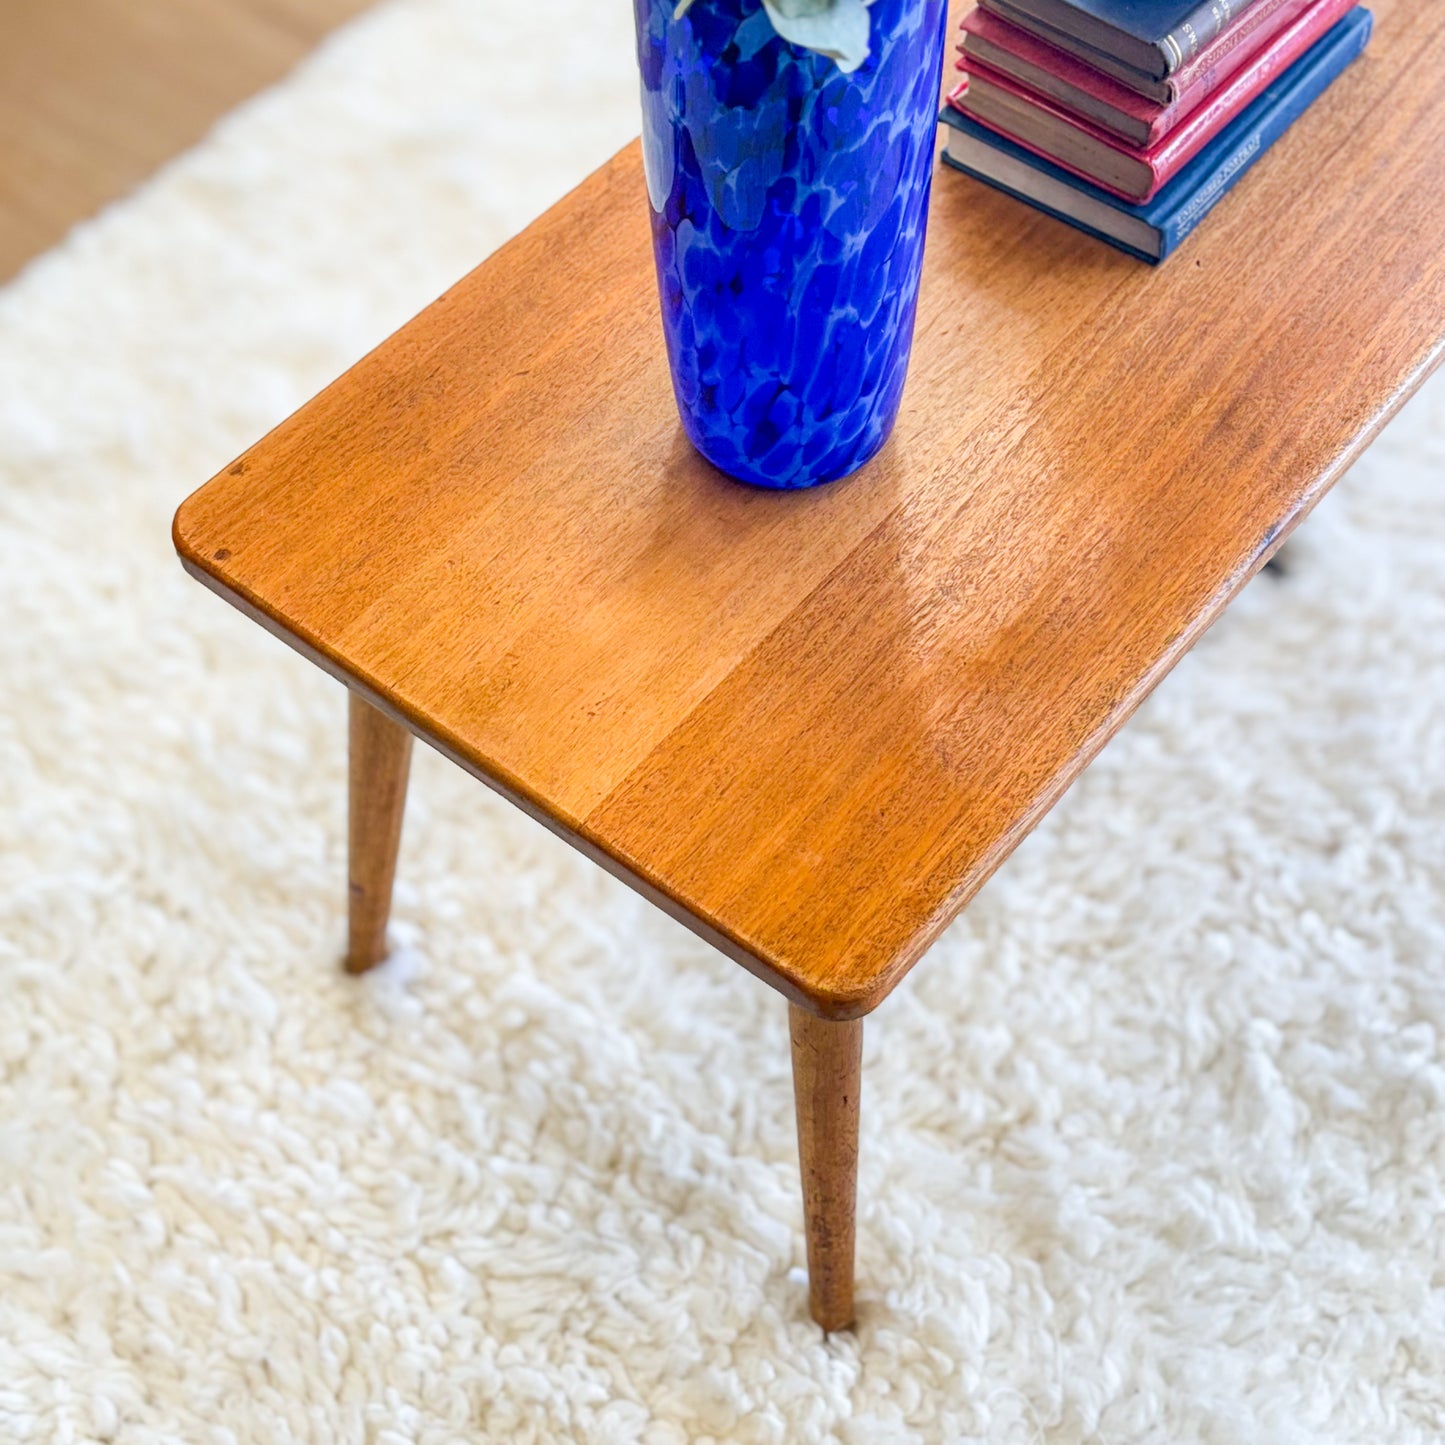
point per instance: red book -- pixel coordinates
(1133, 172)
(1260, 21)
(1089, 93)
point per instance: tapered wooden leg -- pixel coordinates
(380, 761)
(827, 1072)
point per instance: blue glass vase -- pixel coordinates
(789, 202)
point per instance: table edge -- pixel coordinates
(858, 999)
(826, 1003)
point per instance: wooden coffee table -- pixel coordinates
(811, 725)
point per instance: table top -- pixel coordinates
(811, 725)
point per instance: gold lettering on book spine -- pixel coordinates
(1236, 37)
(1220, 13)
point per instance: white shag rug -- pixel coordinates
(1153, 1143)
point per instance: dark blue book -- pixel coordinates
(1155, 37)
(1151, 231)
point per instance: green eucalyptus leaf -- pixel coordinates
(835, 28)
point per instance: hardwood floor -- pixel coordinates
(95, 94)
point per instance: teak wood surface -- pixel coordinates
(380, 761)
(812, 725)
(827, 1084)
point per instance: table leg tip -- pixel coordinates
(363, 961)
(834, 1316)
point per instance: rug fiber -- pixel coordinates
(1153, 1142)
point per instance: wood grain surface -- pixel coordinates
(380, 761)
(95, 94)
(827, 1091)
(812, 725)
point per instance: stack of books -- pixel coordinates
(1131, 118)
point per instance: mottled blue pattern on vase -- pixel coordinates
(789, 202)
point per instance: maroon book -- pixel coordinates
(1133, 172)
(1094, 96)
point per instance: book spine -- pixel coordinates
(1253, 145)
(1197, 31)
(1226, 102)
(1231, 49)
